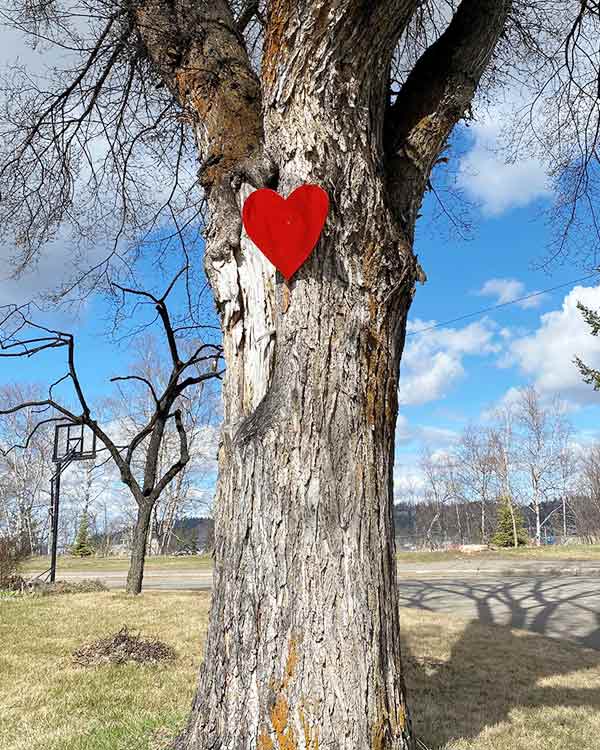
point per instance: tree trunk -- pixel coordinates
(514, 524)
(135, 574)
(483, 533)
(303, 648)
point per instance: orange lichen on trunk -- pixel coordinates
(280, 712)
(280, 12)
(291, 663)
(286, 737)
(310, 742)
(264, 741)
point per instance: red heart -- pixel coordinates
(286, 230)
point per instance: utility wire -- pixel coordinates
(501, 304)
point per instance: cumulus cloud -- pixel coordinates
(546, 355)
(487, 178)
(433, 362)
(507, 290)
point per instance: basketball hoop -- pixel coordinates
(72, 442)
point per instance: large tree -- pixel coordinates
(359, 97)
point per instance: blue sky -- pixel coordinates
(454, 374)
(451, 375)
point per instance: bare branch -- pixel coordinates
(209, 73)
(435, 96)
(184, 456)
(140, 379)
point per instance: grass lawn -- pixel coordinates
(566, 552)
(68, 563)
(472, 687)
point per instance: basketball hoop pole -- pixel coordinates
(55, 493)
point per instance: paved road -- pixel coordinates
(559, 606)
(162, 580)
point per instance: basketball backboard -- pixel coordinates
(74, 441)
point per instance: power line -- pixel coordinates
(501, 304)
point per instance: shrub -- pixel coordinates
(504, 536)
(10, 561)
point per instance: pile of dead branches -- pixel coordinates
(121, 648)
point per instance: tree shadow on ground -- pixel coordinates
(475, 682)
(559, 608)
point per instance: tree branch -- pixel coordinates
(184, 456)
(435, 96)
(201, 56)
(197, 380)
(163, 312)
(141, 380)
(45, 402)
(16, 322)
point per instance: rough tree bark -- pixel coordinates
(303, 647)
(137, 558)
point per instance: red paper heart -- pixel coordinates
(286, 230)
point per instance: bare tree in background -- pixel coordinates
(21, 336)
(440, 490)
(476, 470)
(586, 503)
(24, 494)
(133, 408)
(543, 431)
(362, 99)
(503, 447)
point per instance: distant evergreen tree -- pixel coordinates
(505, 532)
(82, 546)
(592, 318)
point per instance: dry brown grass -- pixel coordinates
(562, 552)
(477, 687)
(48, 703)
(472, 687)
(121, 648)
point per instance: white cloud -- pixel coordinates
(546, 355)
(507, 290)
(433, 362)
(404, 433)
(408, 480)
(52, 269)
(488, 179)
(431, 435)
